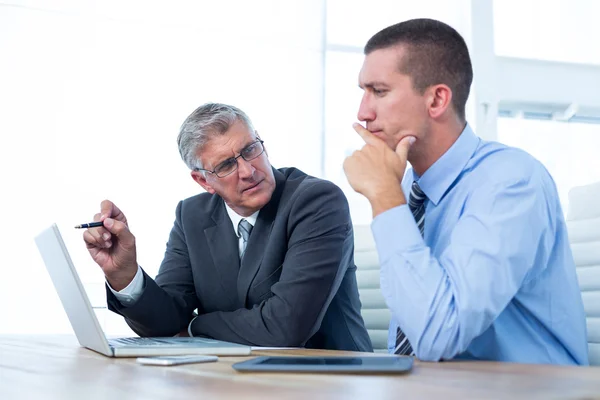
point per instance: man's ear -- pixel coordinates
(439, 100)
(200, 179)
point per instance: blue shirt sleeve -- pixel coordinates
(443, 303)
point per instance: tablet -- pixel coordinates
(374, 364)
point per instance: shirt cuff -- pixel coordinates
(190, 326)
(395, 231)
(132, 292)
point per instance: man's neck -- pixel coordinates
(424, 154)
(236, 218)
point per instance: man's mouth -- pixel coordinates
(379, 134)
(373, 129)
(252, 187)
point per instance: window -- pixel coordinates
(557, 30)
(353, 22)
(568, 150)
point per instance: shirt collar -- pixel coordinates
(440, 176)
(236, 218)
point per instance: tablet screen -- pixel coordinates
(328, 364)
(329, 360)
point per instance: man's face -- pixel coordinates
(390, 106)
(250, 187)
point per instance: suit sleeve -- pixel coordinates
(166, 305)
(320, 248)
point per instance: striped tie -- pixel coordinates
(244, 228)
(416, 204)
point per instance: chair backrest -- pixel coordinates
(374, 310)
(583, 223)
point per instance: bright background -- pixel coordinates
(92, 94)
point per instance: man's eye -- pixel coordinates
(250, 150)
(378, 92)
(225, 165)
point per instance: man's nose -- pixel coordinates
(245, 168)
(365, 110)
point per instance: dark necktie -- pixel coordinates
(244, 228)
(416, 204)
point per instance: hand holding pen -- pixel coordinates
(112, 245)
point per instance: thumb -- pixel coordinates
(403, 147)
(121, 231)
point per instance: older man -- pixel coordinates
(266, 256)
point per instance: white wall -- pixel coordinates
(92, 96)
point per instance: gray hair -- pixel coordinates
(207, 121)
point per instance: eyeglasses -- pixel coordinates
(248, 153)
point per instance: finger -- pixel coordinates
(100, 233)
(121, 231)
(108, 209)
(93, 241)
(95, 234)
(367, 136)
(346, 164)
(403, 147)
(352, 159)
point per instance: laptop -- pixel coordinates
(86, 326)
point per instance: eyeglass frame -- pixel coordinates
(235, 159)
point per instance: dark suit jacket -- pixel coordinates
(296, 285)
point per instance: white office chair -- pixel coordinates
(374, 310)
(583, 223)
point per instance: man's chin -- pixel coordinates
(387, 139)
(258, 195)
(257, 202)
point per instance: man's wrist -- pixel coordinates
(122, 280)
(132, 292)
(386, 200)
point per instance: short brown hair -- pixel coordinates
(436, 53)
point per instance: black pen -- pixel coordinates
(90, 225)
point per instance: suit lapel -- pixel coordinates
(259, 238)
(223, 245)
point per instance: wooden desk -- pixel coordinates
(55, 367)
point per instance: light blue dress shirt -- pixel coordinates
(493, 278)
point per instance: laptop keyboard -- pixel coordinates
(138, 341)
(141, 341)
